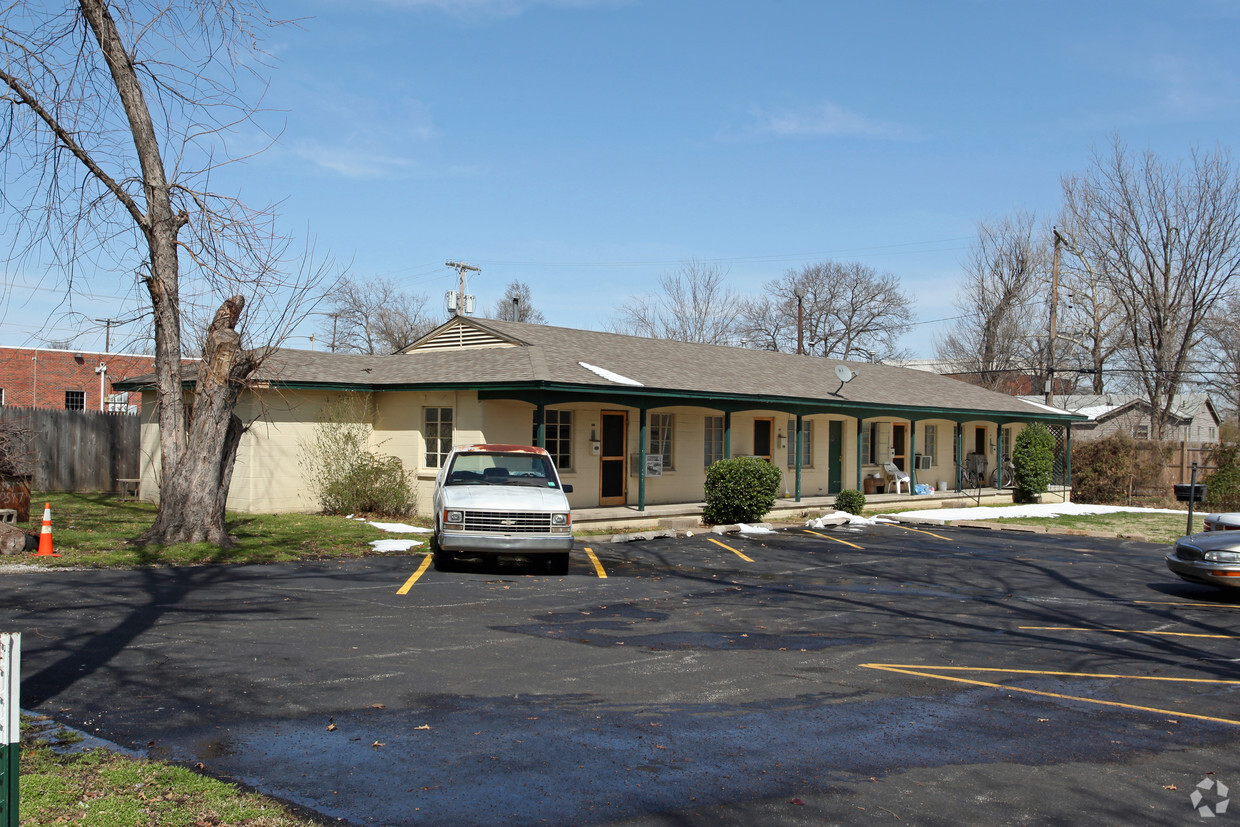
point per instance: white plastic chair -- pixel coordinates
(897, 476)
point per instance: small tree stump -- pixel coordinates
(12, 539)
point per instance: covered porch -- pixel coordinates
(685, 516)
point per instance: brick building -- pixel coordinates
(69, 379)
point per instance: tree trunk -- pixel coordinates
(193, 496)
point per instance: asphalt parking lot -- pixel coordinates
(887, 674)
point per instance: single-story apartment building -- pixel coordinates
(630, 421)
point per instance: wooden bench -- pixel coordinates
(127, 489)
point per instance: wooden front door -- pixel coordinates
(613, 460)
(763, 438)
(899, 443)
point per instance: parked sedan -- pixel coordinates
(1226, 521)
(1211, 557)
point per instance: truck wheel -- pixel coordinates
(442, 560)
(557, 564)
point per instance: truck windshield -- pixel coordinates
(501, 469)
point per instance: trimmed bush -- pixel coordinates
(1033, 462)
(740, 490)
(347, 477)
(1107, 471)
(850, 500)
(1223, 484)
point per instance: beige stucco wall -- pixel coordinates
(268, 475)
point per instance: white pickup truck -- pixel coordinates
(501, 500)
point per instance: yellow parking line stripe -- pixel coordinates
(922, 531)
(886, 667)
(833, 539)
(413, 578)
(1050, 672)
(598, 567)
(729, 548)
(1124, 631)
(1187, 605)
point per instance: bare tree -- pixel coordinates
(117, 116)
(848, 310)
(374, 317)
(998, 336)
(1165, 237)
(696, 306)
(516, 305)
(1220, 368)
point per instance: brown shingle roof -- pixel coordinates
(554, 355)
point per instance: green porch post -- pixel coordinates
(912, 454)
(641, 460)
(727, 434)
(998, 453)
(959, 454)
(540, 425)
(800, 425)
(860, 425)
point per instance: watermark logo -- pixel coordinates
(1209, 788)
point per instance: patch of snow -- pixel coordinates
(609, 376)
(1033, 510)
(401, 528)
(755, 529)
(844, 518)
(384, 546)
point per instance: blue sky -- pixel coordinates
(585, 147)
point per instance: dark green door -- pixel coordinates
(835, 456)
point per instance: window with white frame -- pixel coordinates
(660, 428)
(931, 447)
(869, 443)
(437, 430)
(712, 441)
(807, 443)
(75, 400)
(558, 431)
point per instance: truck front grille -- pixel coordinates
(508, 522)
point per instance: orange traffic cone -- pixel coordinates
(45, 536)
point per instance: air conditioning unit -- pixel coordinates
(924, 462)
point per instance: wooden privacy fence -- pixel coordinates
(78, 450)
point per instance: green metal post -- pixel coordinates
(727, 434)
(959, 454)
(10, 725)
(912, 454)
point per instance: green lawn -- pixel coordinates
(1157, 528)
(96, 529)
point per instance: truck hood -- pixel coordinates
(504, 498)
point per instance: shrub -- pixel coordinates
(850, 500)
(740, 490)
(1033, 461)
(347, 477)
(1223, 484)
(1108, 470)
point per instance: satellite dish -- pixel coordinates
(844, 373)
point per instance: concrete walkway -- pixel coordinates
(689, 515)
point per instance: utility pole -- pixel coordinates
(1050, 350)
(107, 336)
(800, 294)
(462, 305)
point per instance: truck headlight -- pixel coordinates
(1223, 556)
(454, 517)
(560, 522)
